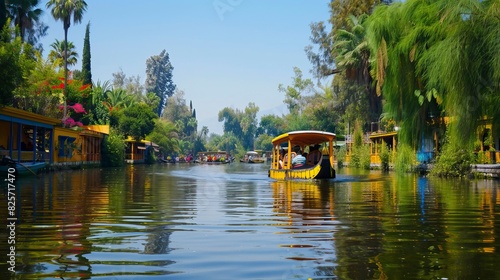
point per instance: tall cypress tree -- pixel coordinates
(159, 78)
(86, 69)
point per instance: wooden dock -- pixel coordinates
(487, 170)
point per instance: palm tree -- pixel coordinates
(59, 53)
(100, 112)
(353, 58)
(64, 10)
(115, 99)
(25, 14)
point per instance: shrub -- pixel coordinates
(405, 158)
(365, 156)
(150, 156)
(113, 150)
(360, 156)
(385, 156)
(453, 161)
(340, 155)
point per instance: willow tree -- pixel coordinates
(64, 10)
(437, 58)
(465, 65)
(400, 36)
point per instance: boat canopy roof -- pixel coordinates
(304, 137)
(252, 153)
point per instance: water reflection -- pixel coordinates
(232, 222)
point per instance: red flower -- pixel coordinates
(60, 86)
(84, 87)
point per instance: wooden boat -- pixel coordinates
(253, 157)
(315, 146)
(213, 157)
(21, 168)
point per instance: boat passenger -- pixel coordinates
(282, 156)
(298, 161)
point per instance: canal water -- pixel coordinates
(232, 222)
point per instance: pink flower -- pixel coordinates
(78, 108)
(80, 124)
(69, 122)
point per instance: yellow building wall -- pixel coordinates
(67, 146)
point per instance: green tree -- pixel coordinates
(26, 15)
(353, 59)
(165, 135)
(180, 114)
(117, 99)
(62, 55)
(464, 67)
(241, 124)
(437, 58)
(64, 10)
(319, 113)
(399, 35)
(131, 85)
(231, 120)
(159, 78)
(98, 111)
(322, 34)
(119, 79)
(152, 100)
(136, 121)
(264, 142)
(271, 125)
(86, 65)
(16, 60)
(200, 140)
(227, 142)
(295, 92)
(113, 149)
(36, 94)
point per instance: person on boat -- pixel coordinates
(299, 160)
(282, 156)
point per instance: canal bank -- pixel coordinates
(487, 170)
(476, 170)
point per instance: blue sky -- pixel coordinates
(225, 53)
